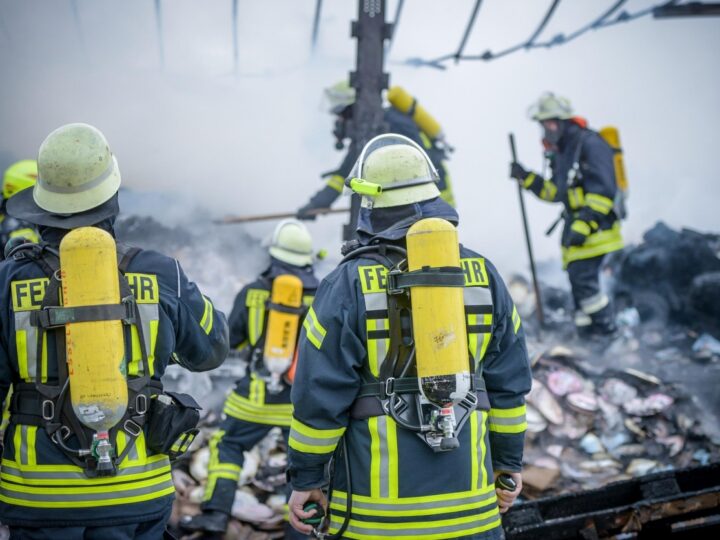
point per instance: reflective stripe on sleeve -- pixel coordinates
(599, 203)
(304, 438)
(516, 319)
(336, 182)
(508, 420)
(313, 329)
(207, 319)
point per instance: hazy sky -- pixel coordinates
(257, 140)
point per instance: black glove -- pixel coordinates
(322, 199)
(578, 233)
(518, 172)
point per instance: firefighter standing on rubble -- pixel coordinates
(18, 176)
(341, 98)
(583, 180)
(407, 464)
(261, 399)
(52, 486)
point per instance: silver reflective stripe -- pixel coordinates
(417, 532)
(148, 313)
(498, 421)
(22, 495)
(377, 302)
(81, 188)
(477, 296)
(23, 453)
(22, 322)
(384, 457)
(79, 475)
(314, 441)
(430, 505)
(595, 303)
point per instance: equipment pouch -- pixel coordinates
(172, 423)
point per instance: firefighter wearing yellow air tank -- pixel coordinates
(403, 115)
(265, 323)
(588, 180)
(412, 370)
(87, 329)
(20, 175)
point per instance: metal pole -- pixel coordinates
(369, 80)
(159, 25)
(236, 46)
(316, 25)
(536, 286)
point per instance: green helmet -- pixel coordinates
(392, 170)
(19, 176)
(76, 170)
(291, 243)
(550, 106)
(339, 96)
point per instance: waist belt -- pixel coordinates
(26, 405)
(369, 402)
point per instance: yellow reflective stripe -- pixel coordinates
(529, 179)
(508, 420)
(473, 336)
(136, 353)
(257, 392)
(311, 440)
(154, 327)
(377, 347)
(474, 447)
(580, 226)
(598, 243)
(419, 499)
(392, 456)
(548, 191)
(255, 302)
(427, 530)
(206, 323)
(242, 345)
(275, 408)
(486, 336)
(21, 347)
(599, 203)
(516, 319)
(484, 482)
(313, 329)
(336, 182)
(28, 233)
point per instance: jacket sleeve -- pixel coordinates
(598, 180)
(238, 321)
(506, 370)
(327, 379)
(544, 189)
(201, 331)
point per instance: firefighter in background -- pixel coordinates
(52, 486)
(584, 181)
(18, 176)
(261, 399)
(357, 394)
(403, 115)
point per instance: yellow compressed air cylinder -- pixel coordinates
(404, 102)
(95, 350)
(438, 315)
(282, 326)
(612, 137)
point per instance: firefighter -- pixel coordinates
(258, 402)
(18, 176)
(341, 98)
(56, 481)
(583, 180)
(401, 465)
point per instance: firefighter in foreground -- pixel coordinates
(20, 175)
(265, 321)
(86, 451)
(584, 181)
(403, 115)
(412, 371)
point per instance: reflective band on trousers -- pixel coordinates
(261, 413)
(428, 530)
(595, 303)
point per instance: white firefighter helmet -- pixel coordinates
(76, 170)
(291, 243)
(392, 170)
(550, 106)
(338, 96)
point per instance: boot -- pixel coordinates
(209, 521)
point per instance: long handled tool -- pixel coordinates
(269, 217)
(536, 286)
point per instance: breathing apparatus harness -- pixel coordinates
(48, 405)
(397, 393)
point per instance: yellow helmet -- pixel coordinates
(392, 170)
(339, 96)
(550, 106)
(291, 243)
(19, 176)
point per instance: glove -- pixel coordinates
(322, 199)
(578, 233)
(518, 172)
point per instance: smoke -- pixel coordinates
(181, 120)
